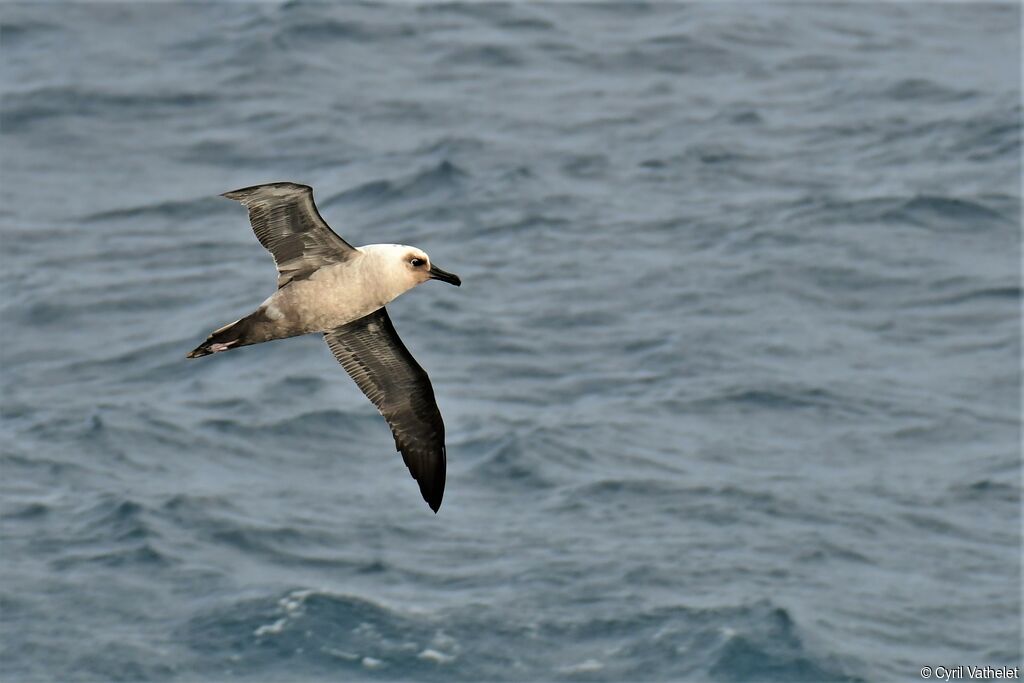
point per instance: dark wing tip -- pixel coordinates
(282, 189)
(429, 473)
(431, 486)
(433, 496)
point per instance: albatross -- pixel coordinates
(326, 285)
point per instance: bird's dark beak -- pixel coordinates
(444, 276)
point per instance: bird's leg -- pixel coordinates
(215, 348)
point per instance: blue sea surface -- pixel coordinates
(732, 385)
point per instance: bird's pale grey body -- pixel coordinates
(327, 285)
(336, 294)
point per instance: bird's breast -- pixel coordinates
(333, 296)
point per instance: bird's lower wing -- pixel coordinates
(374, 356)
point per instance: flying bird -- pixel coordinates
(326, 285)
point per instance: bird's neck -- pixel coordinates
(384, 267)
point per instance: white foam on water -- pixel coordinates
(435, 656)
(266, 629)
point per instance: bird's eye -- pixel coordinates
(417, 262)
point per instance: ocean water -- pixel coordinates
(732, 386)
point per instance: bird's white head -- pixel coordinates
(404, 267)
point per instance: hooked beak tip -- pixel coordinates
(444, 276)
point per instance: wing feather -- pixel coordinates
(288, 225)
(374, 356)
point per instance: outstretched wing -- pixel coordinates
(371, 352)
(287, 224)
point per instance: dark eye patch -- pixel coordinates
(417, 262)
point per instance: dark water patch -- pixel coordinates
(296, 387)
(852, 287)
(744, 659)
(618, 496)
(713, 154)
(200, 513)
(472, 57)
(775, 654)
(286, 546)
(986, 490)
(511, 461)
(367, 192)
(15, 410)
(944, 212)
(318, 633)
(988, 141)
(775, 399)
(653, 163)
(139, 556)
(152, 354)
(587, 316)
(1010, 293)
(450, 146)
(45, 313)
(183, 260)
(117, 659)
(28, 511)
(319, 34)
(635, 489)
(218, 521)
(312, 425)
(25, 111)
(39, 467)
(11, 32)
(896, 139)
(239, 406)
(113, 519)
(48, 314)
(529, 462)
(186, 502)
(814, 62)
(638, 498)
(167, 211)
(923, 90)
(291, 158)
(741, 116)
(523, 23)
(320, 423)
(444, 178)
(672, 53)
(826, 210)
(934, 524)
(716, 156)
(826, 552)
(725, 643)
(20, 38)
(528, 225)
(403, 111)
(512, 16)
(925, 211)
(586, 166)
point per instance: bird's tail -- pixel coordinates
(231, 336)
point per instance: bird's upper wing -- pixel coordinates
(371, 352)
(287, 224)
